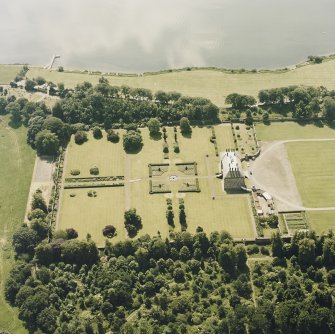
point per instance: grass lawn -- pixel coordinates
(107, 156)
(321, 221)
(90, 215)
(16, 166)
(8, 73)
(292, 130)
(230, 213)
(212, 84)
(313, 168)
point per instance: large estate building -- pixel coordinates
(231, 172)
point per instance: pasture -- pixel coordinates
(16, 165)
(209, 83)
(91, 214)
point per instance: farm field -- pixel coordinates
(321, 221)
(212, 84)
(313, 168)
(8, 73)
(292, 130)
(16, 165)
(91, 214)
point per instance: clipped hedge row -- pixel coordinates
(94, 185)
(94, 179)
(153, 190)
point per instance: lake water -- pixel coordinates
(147, 35)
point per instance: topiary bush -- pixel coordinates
(94, 170)
(75, 172)
(165, 148)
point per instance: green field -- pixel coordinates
(321, 221)
(91, 215)
(8, 73)
(212, 84)
(313, 168)
(16, 166)
(292, 130)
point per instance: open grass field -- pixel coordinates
(212, 84)
(16, 166)
(321, 221)
(292, 130)
(313, 168)
(91, 214)
(8, 73)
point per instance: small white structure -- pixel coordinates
(267, 196)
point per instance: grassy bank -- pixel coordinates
(16, 165)
(212, 84)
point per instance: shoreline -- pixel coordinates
(306, 62)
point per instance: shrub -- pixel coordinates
(237, 127)
(92, 193)
(94, 170)
(109, 231)
(176, 148)
(75, 172)
(252, 249)
(265, 251)
(113, 136)
(97, 133)
(80, 137)
(165, 148)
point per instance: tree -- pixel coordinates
(109, 231)
(132, 141)
(277, 245)
(80, 137)
(37, 214)
(306, 255)
(79, 252)
(185, 126)
(24, 240)
(170, 217)
(57, 126)
(40, 80)
(132, 222)
(184, 254)
(71, 233)
(30, 84)
(239, 101)
(41, 228)
(113, 136)
(153, 126)
(3, 104)
(97, 133)
(329, 109)
(47, 143)
(38, 202)
(14, 109)
(241, 256)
